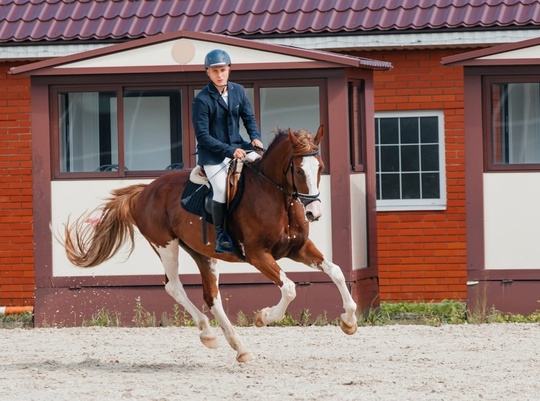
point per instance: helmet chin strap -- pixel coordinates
(223, 87)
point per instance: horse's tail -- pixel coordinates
(91, 241)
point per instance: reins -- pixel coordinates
(306, 199)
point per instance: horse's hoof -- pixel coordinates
(258, 320)
(209, 342)
(245, 357)
(350, 330)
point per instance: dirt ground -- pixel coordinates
(405, 362)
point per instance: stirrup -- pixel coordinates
(223, 243)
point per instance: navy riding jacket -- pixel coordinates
(216, 124)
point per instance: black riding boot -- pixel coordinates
(223, 241)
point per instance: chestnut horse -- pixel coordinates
(270, 222)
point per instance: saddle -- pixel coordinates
(197, 195)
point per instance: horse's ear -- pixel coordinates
(320, 133)
(292, 138)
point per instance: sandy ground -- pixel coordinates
(454, 362)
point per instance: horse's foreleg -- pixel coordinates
(348, 321)
(311, 256)
(169, 259)
(277, 312)
(210, 277)
(268, 266)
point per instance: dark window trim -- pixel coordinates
(356, 124)
(487, 82)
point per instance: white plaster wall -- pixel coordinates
(512, 220)
(70, 199)
(359, 221)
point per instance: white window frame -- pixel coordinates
(419, 204)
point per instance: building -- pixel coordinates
(421, 239)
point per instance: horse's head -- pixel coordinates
(306, 166)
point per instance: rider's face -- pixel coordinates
(219, 75)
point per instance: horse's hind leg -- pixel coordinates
(210, 279)
(169, 258)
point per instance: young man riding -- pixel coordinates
(216, 114)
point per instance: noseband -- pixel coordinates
(306, 199)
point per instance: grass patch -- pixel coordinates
(104, 318)
(423, 313)
(429, 313)
(23, 320)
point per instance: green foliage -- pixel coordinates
(142, 317)
(104, 318)
(18, 320)
(243, 320)
(288, 320)
(178, 318)
(305, 317)
(431, 313)
(494, 316)
(428, 313)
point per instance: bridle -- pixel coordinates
(306, 199)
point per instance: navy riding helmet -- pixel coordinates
(217, 58)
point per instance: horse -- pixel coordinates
(269, 222)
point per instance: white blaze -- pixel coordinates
(310, 165)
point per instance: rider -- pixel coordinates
(216, 114)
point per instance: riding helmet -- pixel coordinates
(217, 58)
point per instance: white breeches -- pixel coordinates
(217, 174)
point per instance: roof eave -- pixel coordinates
(316, 55)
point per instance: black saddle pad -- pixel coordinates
(193, 199)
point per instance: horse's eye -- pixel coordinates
(299, 171)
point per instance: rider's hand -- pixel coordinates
(239, 153)
(257, 143)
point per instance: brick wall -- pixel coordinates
(16, 235)
(422, 254)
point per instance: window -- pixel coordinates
(152, 133)
(515, 124)
(289, 107)
(88, 131)
(116, 131)
(410, 161)
(89, 137)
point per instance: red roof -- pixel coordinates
(67, 20)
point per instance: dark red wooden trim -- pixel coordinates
(474, 172)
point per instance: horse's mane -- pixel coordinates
(305, 141)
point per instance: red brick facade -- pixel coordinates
(422, 254)
(16, 235)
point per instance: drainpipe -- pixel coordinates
(12, 310)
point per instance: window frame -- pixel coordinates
(355, 97)
(188, 138)
(488, 140)
(417, 204)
